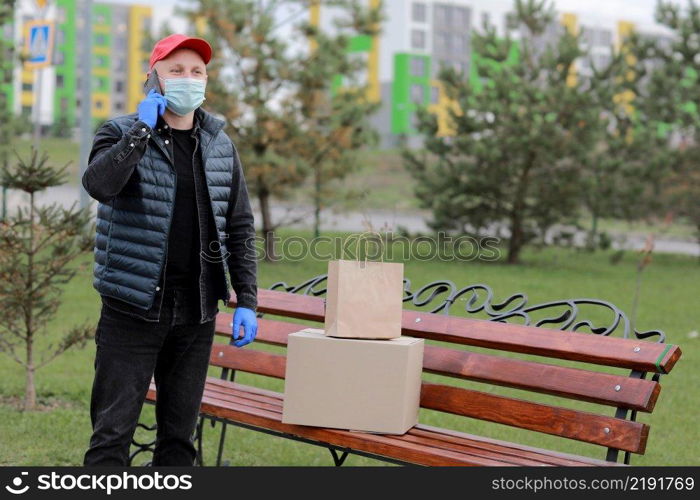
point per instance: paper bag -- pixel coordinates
(364, 299)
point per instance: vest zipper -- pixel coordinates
(224, 264)
(167, 237)
(199, 221)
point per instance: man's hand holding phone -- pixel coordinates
(152, 106)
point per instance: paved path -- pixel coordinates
(302, 217)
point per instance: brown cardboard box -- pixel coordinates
(355, 384)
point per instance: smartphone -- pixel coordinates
(152, 83)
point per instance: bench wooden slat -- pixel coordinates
(252, 404)
(507, 447)
(589, 348)
(479, 451)
(373, 443)
(573, 383)
(248, 360)
(573, 424)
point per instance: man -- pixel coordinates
(173, 222)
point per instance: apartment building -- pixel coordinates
(120, 52)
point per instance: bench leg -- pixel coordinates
(226, 374)
(221, 443)
(142, 447)
(150, 445)
(338, 459)
(621, 413)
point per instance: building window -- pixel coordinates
(120, 43)
(434, 94)
(418, 39)
(441, 15)
(58, 58)
(415, 121)
(99, 19)
(441, 42)
(418, 12)
(100, 39)
(460, 17)
(119, 106)
(98, 104)
(26, 111)
(100, 61)
(417, 66)
(417, 93)
(27, 86)
(119, 86)
(59, 81)
(460, 44)
(64, 104)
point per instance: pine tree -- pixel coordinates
(38, 245)
(667, 93)
(623, 169)
(519, 134)
(10, 126)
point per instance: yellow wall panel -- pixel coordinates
(440, 109)
(27, 99)
(104, 110)
(624, 29)
(374, 90)
(136, 75)
(570, 22)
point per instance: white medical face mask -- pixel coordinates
(184, 94)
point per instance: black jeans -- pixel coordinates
(175, 351)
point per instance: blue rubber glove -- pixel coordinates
(244, 317)
(151, 108)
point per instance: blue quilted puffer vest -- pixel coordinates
(132, 229)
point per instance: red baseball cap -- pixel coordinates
(177, 41)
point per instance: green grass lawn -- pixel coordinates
(668, 301)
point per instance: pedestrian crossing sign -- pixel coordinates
(39, 43)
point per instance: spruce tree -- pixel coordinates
(520, 130)
(38, 246)
(667, 100)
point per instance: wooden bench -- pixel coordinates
(618, 397)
